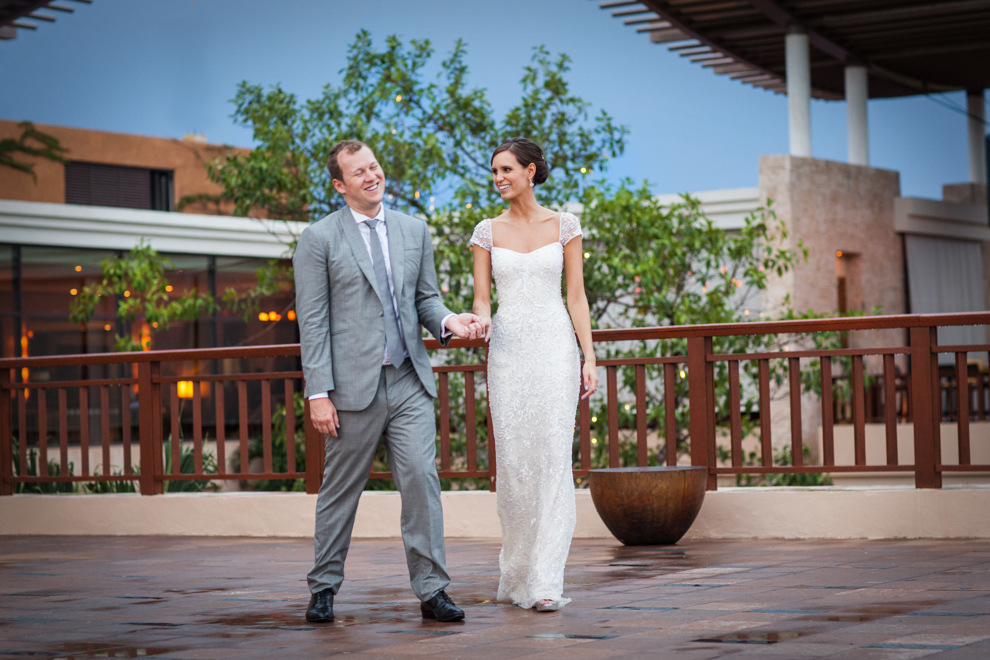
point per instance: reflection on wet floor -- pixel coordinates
(756, 637)
(232, 596)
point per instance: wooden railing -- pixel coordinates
(57, 406)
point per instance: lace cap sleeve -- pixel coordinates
(482, 235)
(570, 228)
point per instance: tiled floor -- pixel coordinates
(71, 597)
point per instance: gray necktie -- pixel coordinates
(393, 338)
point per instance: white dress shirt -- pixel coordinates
(382, 230)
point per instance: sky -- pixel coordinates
(170, 67)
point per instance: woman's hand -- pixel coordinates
(589, 378)
(486, 326)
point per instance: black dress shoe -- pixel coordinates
(320, 608)
(441, 608)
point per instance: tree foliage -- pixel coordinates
(433, 135)
(32, 142)
(138, 285)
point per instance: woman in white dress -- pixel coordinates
(534, 372)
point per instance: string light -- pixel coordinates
(78, 269)
(398, 98)
(73, 291)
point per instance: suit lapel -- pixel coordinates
(358, 247)
(396, 252)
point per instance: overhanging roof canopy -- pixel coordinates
(908, 46)
(25, 14)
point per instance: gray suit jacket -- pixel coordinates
(341, 324)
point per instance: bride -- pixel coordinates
(534, 372)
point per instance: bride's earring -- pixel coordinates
(530, 182)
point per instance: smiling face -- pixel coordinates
(364, 182)
(511, 179)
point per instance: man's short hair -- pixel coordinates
(346, 146)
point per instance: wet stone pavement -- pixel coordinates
(188, 598)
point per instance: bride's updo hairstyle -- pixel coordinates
(526, 152)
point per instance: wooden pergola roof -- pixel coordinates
(908, 46)
(26, 14)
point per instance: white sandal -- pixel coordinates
(547, 605)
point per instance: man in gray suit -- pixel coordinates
(365, 283)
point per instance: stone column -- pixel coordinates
(977, 136)
(857, 94)
(799, 92)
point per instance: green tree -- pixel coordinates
(32, 142)
(432, 134)
(138, 284)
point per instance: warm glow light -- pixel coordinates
(468, 205)
(394, 131)
(31, 333)
(761, 315)
(24, 343)
(683, 375)
(155, 324)
(168, 287)
(584, 170)
(431, 199)
(432, 208)
(107, 327)
(127, 294)
(627, 406)
(637, 290)
(594, 441)
(398, 98)
(263, 316)
(73, 291)
(390, 197)
(24, 374)
(416, 194)
(839, 253)
(578, 479)
(185, 389)
(587, 255)
(594, 419)
(78, 269)
(292, 315)
(746, 312)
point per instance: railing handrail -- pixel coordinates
(893, 321)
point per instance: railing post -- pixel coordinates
(150, 428)
(925, 406)
(6, 436)
(146, 429)
(314, 453)
(701, 402)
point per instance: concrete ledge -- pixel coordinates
(835, 513)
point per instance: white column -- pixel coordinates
(857, 94)
(977, 136)
(799, 93)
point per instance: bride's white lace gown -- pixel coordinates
(533, 386)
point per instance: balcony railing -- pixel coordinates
(57, 406)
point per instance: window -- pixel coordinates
(94, 184)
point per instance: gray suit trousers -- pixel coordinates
(401, 413)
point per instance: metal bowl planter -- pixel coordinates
(648, 505)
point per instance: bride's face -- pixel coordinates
(510, 178)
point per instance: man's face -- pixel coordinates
(364, 182)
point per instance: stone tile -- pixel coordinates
(204, 598)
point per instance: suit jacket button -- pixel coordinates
(381, 313)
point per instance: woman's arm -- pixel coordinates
(483, 288)
(577, 305)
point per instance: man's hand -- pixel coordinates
(324, 416)
(466, 326)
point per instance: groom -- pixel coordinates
(365, 283)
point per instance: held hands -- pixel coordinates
(324, 416)
(469, 326)
(589, 379)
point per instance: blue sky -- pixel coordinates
(170, 67)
